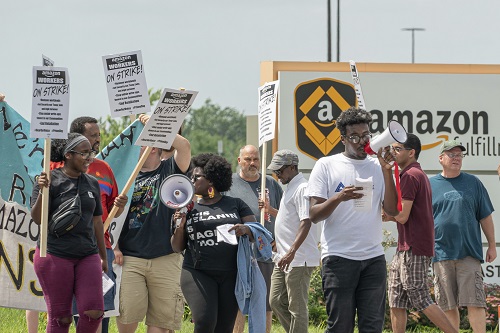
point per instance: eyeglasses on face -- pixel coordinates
(280, 171)
(455, 155)
(196, 177)
(399, 149)
(356, 138)
(86, 155)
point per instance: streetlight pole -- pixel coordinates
(338, 30)
(329, 30)
(413, 41)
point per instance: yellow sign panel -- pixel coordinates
(318, 103)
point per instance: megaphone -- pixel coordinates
(395, 132)
(176, 191)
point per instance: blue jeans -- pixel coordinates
(350, 285)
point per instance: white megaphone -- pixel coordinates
(176, 191)
(395, 132)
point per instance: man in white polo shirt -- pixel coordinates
(297, 246)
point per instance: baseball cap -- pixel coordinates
(447, 145)
(283, 157)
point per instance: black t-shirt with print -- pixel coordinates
(146, 231)
(213, 255)
(80, 241)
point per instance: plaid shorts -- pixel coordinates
(408, 285)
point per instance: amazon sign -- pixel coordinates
(434, 102)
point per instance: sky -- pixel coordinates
(216, 47)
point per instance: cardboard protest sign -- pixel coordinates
(357, 85)
(167, 118)
(268, 95)
(126, 84)
(50, 102)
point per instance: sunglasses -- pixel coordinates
(280, 171)
(196, 177)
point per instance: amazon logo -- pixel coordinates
(440, 124)
(317, 105)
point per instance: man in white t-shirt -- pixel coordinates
(347, 190)
(297, 246)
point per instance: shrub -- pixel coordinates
(316, 303)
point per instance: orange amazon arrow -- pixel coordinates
(434, 144)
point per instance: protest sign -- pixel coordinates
(46, 61)
(357, 85)
(126, 83)
(50, 102)
(268, 94)
(167, 118)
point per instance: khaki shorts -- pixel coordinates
(151, 288)
(459, 283)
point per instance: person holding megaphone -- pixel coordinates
(348, 190)
(209, 270)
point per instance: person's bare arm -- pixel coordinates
(36, 210)
(182, 155)
(321, 208)
(179, 237)
(99, 235)
(120, 202)
(489, 232)
(403, 215)
(304, 227)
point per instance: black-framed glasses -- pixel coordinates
(280, 171)
(196, 177)
(455, 155)
(86, 155)
(399, 149)
(356, 138)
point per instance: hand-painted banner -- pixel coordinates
(21, 161)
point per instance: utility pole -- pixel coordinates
(329, 30)
(413, 41)
(338, 30)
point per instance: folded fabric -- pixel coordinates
(250, 287)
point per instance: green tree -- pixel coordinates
(154, 95)
(204, 127)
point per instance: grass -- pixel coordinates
(14, 321)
